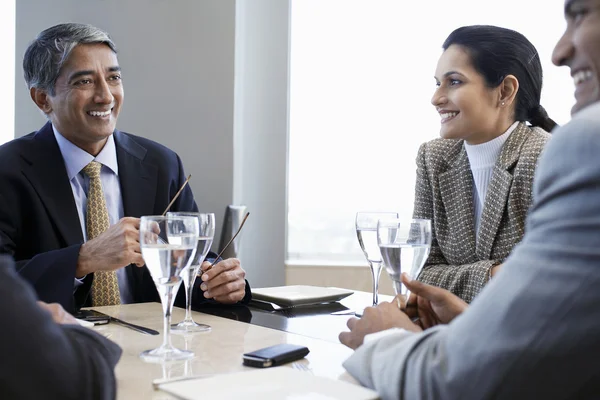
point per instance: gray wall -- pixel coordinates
(180, 79)
(260, 132)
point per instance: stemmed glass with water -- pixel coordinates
(168, 246)
(404, 246)
(366, 230)
(206, 233)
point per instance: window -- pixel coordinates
(361, 79)
(7, 71)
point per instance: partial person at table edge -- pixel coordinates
(46, 359)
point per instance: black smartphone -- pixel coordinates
(275, 355)
(97, 318)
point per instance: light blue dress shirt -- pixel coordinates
(75, 160)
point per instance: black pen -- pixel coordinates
(137, 328)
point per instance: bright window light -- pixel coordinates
(360, 88)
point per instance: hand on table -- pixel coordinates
(495, 269)
(59, 315)
(224, 282)
(117, 247)
(431, 304)
(375, 319)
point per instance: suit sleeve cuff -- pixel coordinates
(373, 337)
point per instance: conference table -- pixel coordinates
(236, 329)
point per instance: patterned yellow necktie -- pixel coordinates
(105, 288)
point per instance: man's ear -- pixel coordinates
(41, 99)
(508, 90)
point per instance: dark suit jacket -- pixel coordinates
(43, 360)
(444, 194)
(39, 224)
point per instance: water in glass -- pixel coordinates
(403, 258)
(168, 246)
(404, 247)
(206, 232)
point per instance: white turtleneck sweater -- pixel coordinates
(482, 158)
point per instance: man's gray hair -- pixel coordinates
(46, 55)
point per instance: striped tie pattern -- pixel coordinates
(105, 288)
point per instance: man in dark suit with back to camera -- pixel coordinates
(78, 162)
(46, 359)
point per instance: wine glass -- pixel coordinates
(404, 246)
(168, 246)
(366, 230)
(206, 234)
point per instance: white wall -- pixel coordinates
(178, 61)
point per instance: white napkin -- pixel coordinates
(268, 384)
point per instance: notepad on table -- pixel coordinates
(266, 384)
(299, 295)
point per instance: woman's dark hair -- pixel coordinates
(498, 52)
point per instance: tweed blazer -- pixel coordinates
(444, 194)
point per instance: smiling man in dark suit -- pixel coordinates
(48, 176)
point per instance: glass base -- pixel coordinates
(189, 326)
(163, 354)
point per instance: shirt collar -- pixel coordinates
(486, 154)
(76, 159)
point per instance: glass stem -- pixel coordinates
(188, 283)
(375, 272)
(398, 287)
(167, 303)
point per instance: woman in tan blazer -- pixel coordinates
(475, 183)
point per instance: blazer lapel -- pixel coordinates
(45, 170)
(456, 189)
(498, 191)
(137, 177)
